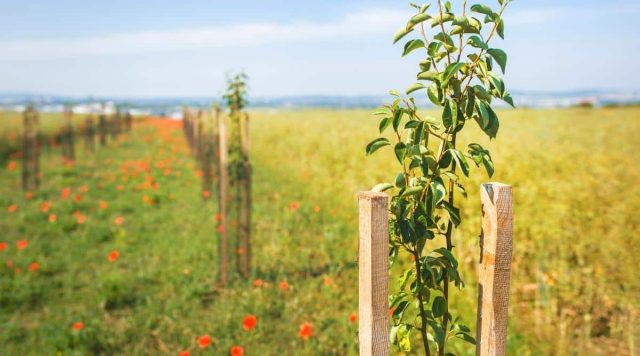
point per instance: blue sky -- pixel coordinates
(184, 48)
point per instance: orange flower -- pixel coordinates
(147, 200)
(22, 244)
(78, 198)
(53, 218)
(103, 204)
(184, 353)
(28, 195)
(120, 187)
(65, 193)
(77, 326)
(12, 165)
(84, 189)
(3, 246)
(113, 256)
(45, 206)
(12, 208)
(34, 266)
(204, 341)
(284, 285)
(305, 331)
(327, 281)
(236, 351)
(257, 282)
(353, 317)
(118, 220)
(220, 228)
(316, 209)
(249, 322)
(240, 251)
(80, 219)
(294, 206)
(205, 193)
(218, 217)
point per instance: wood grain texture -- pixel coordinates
(496, 243)
(223, 200)
(373, 268)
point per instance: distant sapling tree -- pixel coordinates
(458, 74)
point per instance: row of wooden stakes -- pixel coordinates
(33, 140)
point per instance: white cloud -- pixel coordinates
(356, 25)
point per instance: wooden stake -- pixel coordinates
(245, 213)
(496, 243)
(223, 244)
(30, 150)
(373, 266)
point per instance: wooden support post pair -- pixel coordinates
(243, 237)
(67, 136)
(89, 134)
(102, 128)
(30, 150)
(494, 270)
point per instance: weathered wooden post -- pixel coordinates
(102, 128)
(245, 213)
(67, 136)
(128, 118)
(223, 199)
(30, 150)
(89, 134)
(496, 243)
(373, 268)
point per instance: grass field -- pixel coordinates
(575, 282)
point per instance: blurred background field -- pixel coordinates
(575, 283)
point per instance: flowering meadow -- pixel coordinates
(116, 252)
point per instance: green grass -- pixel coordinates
(575, 284)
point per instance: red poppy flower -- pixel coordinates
(284, 285)
(103, 204)
(77, 326)
(12, 165)
(316, 209)
(305, 331)
(118, 220)
(236, 351)
(220, 228)
(22, 244)
(113, 256)
(353, 317)
(44, 207)
(257, 282)
(80, 219)
(204, 341)
(34, 266)
(3, 246)
(249, 322)
(184, 353)
(78, 198)
(53, 218)
(12, 208)
(84, 189)
(65, 193)
(327, 281)
(28, 195)
(205, 193)
(294, 206)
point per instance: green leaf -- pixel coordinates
(477, 42)
(401, 33)
(394, 93)
(412, 191)
(500, 28)
(381, 187)
(376, 144)
(438, 190)
(450, 114)
(428, 75)
(397, 117)
(440, 19)
(507, 98)
(451, 70)
(414, 87)
(439, 306)
(434, 94)
(500, 56)
(412, 45)
(461, 160)
(384, 123)
(454, 213)
(400, 181)
(418, 18)
(482, 9)
(400, 150)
